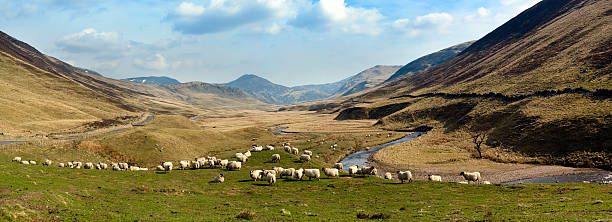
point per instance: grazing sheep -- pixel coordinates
(271, 178)
(338, 166)
(184, 164)
(88, 166)
(312, 173)
(388, 176)
(266, 172)
(248, 153)
(167, 166)
(25, 162)
(276, 158)
(295, 151)
(486, 182)
(308, 152)
(103, 166)
(287, 149)
(124, 166)
(211, 163)
(47, 163)
(369, 170)
(234, 165)
(463, 182)
(434, 178)
(98, 167)
(471, 176)
(219, 179)
(78, 165)
(278, 170)
(298, 174)
(60, 165)
(257, 148)
(134, 168)
(17, 159)
(159, 168)
(269, 147)
(354, 169)
(195, 165)
(144, 169)
(305, 158)
(287, 172)
(330, 172)
(32, 162)
(256, 174)
(69, 164)
(404, 175)
(116, 168)
(242, 159)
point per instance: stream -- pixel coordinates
(360, 158)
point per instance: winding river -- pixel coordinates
(360, 158)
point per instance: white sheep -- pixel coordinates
(77, 165)
(223, 163)
(271, 178)
(17, 159)
(353, 169)
(369, 170)
(269, 147)
(338, 166)
(331, 172)
(159, 168)
(234, 165)
(434, 178)
(463, 182)
(312, 173)
(32, 162)
(295, 151)
(124, 166)
(116, 168)
(144, 169)
(242, 159)
(238, 155)
(287, 149)
(388, 176)
(256, 174)
(298, 174)
(276, 157)
(404, 175)
(278, 170)
(47, 163)
(308, 152)
(471, 176)
(195, 165)
(287, 172)
(88, 166)
(25, 162)
(69, 164)
(167, 166)
(184, 164)
(134, 168)
(219, 178)
(486, 182)
(266, 172)
(305, 158)
(60, 165)
(247, 153)
(257, 149)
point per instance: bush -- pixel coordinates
(246, 214)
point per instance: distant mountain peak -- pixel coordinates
(153, 80)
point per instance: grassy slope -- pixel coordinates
(51, 193)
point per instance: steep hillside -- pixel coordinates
(539, 84)
(430, 60)
(153, 80)
(365, 80)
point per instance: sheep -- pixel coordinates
(266, 172)
(211, 163)
(278, 170)
(287, 149)
(463, 182)
(276, 158)
(434, 178)
(47, 163)
(219, 179)
(144, 169)
(103, 166)
(17, 159)
(269, 147)
(369, 170)
(330, 172)
(486, 182)
(134, 168)
(388, 176)
(305, 158)
(257, 148)
(338, 166)
(116, 168)
(32, 162)
(25, 162)
(471, 176)
(60, 164)
(195, 165)
(88, 166)
(404, 175)
(312, 173)
(234, 165)
(184, 164)
(124, 166)
(295, 151)
(223, 163)
(69, 164)
(159, 168)
(77, 165)
(298, 174)
(167, 166)
(308, 152)
(256, 174)
(242, 159)
(353, 169)
(271, 178)
(287, 172)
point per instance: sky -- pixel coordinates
(290, 42)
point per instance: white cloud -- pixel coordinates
(90, 40)
(189, 9)
(483, 12)
(155, 62)
(336, 15)
(433, 22)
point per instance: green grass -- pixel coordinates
(38, 193)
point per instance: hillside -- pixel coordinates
(153, 80)
(365, 80)
(530, 84)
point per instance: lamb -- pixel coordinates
(88, 166)
(298, 174)
(32, 162)
(167, 166)
(434, 178)
(276, 158)
(305, 158)
(219, 179)
(47, 163)
(388, 176)
(60, 164)
(159, 168)
(308, 152)
(287, 172)
(25, 162)
(338, 166)
(242, 159)
(471, 176)
(295, 151)
(404, 175)
(103, 166)
(369, 170)
(271, 178)
(17, 159)
(234, 165)
(312, 173)
(256, 174)
(353, 169)
(184, 164)
(331, 172)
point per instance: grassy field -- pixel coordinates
(37, 193)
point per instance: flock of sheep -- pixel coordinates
(268, 175)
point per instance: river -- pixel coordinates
(360, 158)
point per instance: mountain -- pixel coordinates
(154, 80)
(539, 85)
(430, 60)
(365, 80)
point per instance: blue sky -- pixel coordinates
(291, 42)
